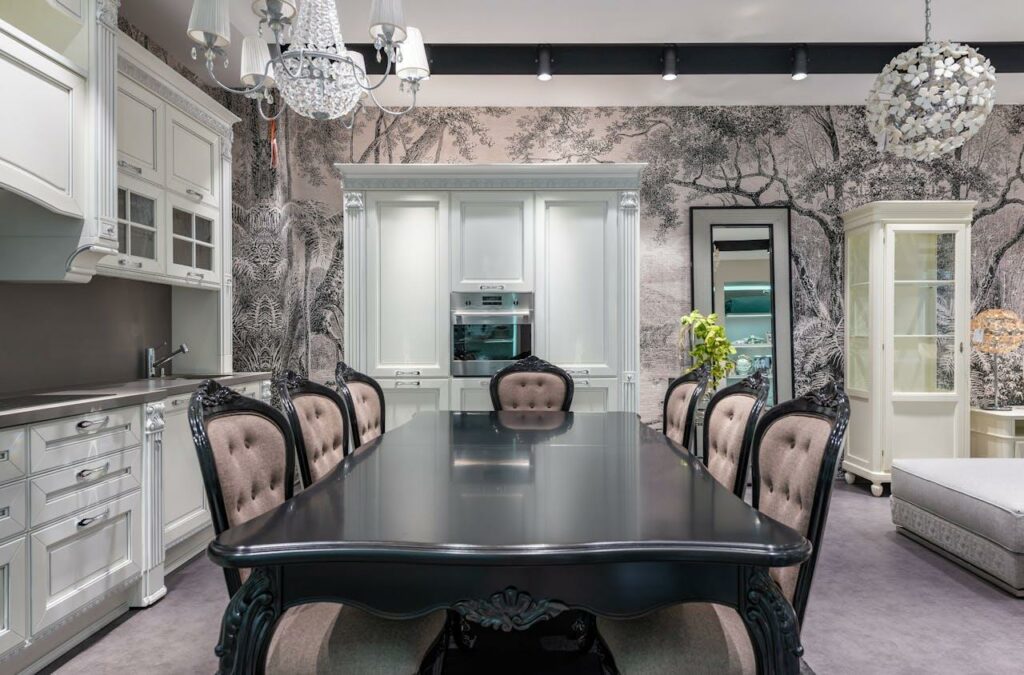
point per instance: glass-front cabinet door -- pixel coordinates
(192, 241)
(139, 216)
(927, 332)
(858, 299)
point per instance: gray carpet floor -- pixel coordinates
(880, 604)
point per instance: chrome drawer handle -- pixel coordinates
(196, 194)
(86, 474)
(585, 382)
(194, 275)
(5, 511)
(4, 455)
(124, 262)
(414, 383)
(582, 371)
(88, 424)
(131, 167)
(86, 522)
(407, 373)
(492, 287)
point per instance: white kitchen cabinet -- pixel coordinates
(492, 241)
(141, 237)
(192, 241)
(59, 443)
(471, 394)
(13, 453)
(80, 558)
(44, 126)
(13, 594)
(907, 353)
(407, 285)
(13, 509)
(62, 492)
(186, 509)
(193, 158)
(595, 394)
(140, 132)
(404, 397)
(577, 286)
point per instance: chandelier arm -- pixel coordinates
(255, 89)
(396, 112)
(270, 118)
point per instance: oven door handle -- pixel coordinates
(462, 317)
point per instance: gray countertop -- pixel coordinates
(105, 397)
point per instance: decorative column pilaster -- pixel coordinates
(629, 275)
(227, 295)
(151, 586)
(103, 98)
(355, 274)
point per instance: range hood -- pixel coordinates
(57, 158)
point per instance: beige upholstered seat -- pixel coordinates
(531, 384)
(322, 425)
(726, 426)
(364, 400)
(681, 399)
(246, 457)
(796, 449)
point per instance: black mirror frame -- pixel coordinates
(344, 373)
(291, 384)
(532, 364)
(209, 401)
(756, 386)
(700, 376)
(831, 404)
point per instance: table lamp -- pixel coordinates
(997, 332)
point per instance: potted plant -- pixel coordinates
(703, 339)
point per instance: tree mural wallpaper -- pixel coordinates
(819, 161)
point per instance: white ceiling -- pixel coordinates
(681, 21)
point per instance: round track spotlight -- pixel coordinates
(800, 62)
(544, 63)
(668, 58)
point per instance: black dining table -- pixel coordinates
(509, 519)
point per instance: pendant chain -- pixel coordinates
(927, 21)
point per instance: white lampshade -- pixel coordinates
(387, 18)
(413, 65)
(360, 65)
(255, 57)
(286, 8)
(209, 23)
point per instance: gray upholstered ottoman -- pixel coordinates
(969, 510)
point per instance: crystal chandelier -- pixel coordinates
(312, 72)
(929, 100)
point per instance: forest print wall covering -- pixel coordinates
(819, 161)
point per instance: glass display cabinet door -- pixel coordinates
(858, 298)
(927, 336)
(138, 227)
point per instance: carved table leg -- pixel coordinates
(248, 623)
(771, 623)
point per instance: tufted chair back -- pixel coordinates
(531, 384)
(681, 400)
(364, 404)
(318, 422)
(729, 423)
(796, 447)
(246, 456)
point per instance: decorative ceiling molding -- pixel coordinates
(490, 176)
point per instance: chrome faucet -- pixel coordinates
(152, 363)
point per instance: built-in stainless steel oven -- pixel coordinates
(490, 331)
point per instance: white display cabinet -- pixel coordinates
(907, 353)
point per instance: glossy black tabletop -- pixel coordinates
(515, 488)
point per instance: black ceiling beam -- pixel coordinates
(692, 59)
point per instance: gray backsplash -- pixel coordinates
(66, 335)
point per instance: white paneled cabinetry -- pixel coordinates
(908, 307)
(415, 234)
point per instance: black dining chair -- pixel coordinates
(318, 419)
(246, 456)
(729, 423)
(364, 403)
(796, 448)
(532, 384)
(680, 406)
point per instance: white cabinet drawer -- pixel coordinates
(13, 594)
(13, 509)
(65, 491)
(72, 439)
(12, 453)
(77, 560)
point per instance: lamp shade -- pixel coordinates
(387, 20)
(997, 331)
(359, 65)
(413, 65)
(255, 57)
(209, 24)
(284, 8)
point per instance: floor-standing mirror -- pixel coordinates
(741, 272)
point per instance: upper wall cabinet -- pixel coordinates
(192, 240)
(43, 125)
(407, 284)
(140, 132)
(492, 241)
(192, 158)
(577, 288)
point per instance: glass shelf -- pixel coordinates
(754, 315)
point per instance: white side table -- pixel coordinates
(997, 433)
